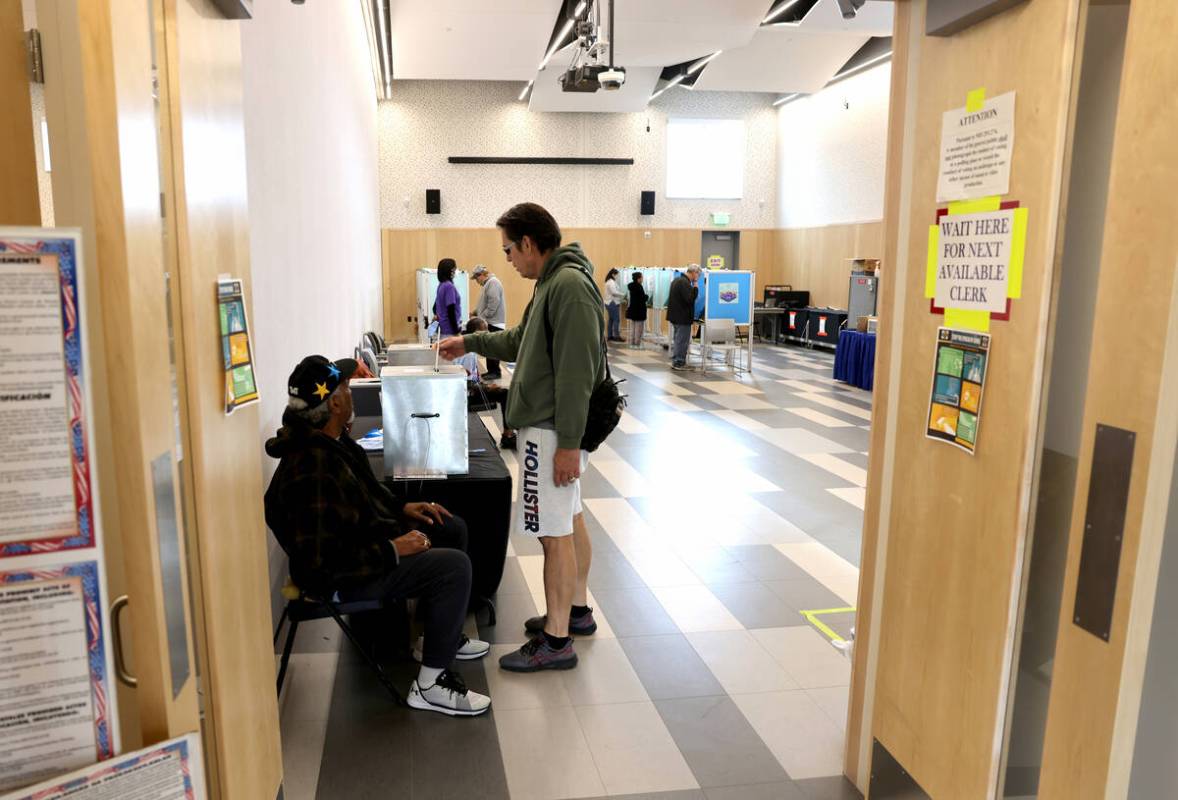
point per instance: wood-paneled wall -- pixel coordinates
(811, 258)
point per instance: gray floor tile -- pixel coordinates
(682, 794)
(513, 578)
(833, 788)
(316, 636)
(755, 605)
(716, 566)
(703, 402)
(634, 612)
(512, 610)
(840, 623)
(766, 562)
(847, 545)
(805, 594)
(594, 485)
(718, 743)
(858, 459)
(785, 790)
(612, 571)
(669, 667)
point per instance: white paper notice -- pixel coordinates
(46, 711)
(170, 770)
(975, 150)
(973, 260)
(36, 487)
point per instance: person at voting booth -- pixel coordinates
(558, 348)
(448, 302)
(681, 313)
(478, 390)
(492, 308)
(636, 309)
(348, 537)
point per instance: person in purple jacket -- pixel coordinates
(448, 304)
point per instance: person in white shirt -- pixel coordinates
(493, 308)
(614, 295)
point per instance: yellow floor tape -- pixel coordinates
(812, 617)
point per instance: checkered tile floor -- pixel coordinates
(725, 514)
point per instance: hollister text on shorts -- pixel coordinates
(532, 487)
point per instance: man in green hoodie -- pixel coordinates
(557, 348)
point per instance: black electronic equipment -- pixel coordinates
(647, 203)
(433, 201)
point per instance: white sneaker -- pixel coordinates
(468, 649)
(448, 695)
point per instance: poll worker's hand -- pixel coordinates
(451, 347)
(566, 466)
(411, 544)
(429, 513)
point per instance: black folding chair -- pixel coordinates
(304, 608)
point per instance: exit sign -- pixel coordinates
(720, 218)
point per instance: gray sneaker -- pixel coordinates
(537, 655)
(578, 626)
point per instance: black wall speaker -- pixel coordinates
(647, 203)
(433, 201)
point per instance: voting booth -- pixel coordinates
(427, 293)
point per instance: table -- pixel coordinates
(773, 316)
(482, 497)
(854, 360)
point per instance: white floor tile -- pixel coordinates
(660, 567)
(740, 402)
(740, 663)
(855, 496)
(603, 675)
(817, 416)
(632, 749)
(552, 737)
(836, 466)
(806, 656)
(834, 701)
(514, 690)
(740, 420)
(797, 731)
(818, 560)
(306, 691)
(733, 388)
(626, 480)
(845, 586)
(815, 384)
(679, 404)
(604, 631)
(629, 424)
(695, 609)
(800, 440)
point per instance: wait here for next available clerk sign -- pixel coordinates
(973, 260)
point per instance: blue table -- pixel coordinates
(854, 360)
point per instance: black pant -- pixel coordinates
(493, 364)
(440, 580)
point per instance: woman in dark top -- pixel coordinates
(448, 304)
(636, 310)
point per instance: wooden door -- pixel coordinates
(102, 123)
(1097, 684)
(945, 531)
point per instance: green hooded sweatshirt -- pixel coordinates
(553, 389)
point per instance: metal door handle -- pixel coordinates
(116, 629)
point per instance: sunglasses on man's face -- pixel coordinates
(507, 248)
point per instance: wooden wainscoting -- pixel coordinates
(815, 259)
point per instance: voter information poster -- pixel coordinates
(55, 690)
(976, 147)
(237, 353)
(171, 770)
(960, 365)
(45, 491)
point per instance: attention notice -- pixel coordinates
(975, 150)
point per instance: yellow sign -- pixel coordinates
(715, 262)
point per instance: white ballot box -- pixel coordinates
(424, 414)
(410, 355)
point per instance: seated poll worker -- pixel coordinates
(348, 537)
(479, 391)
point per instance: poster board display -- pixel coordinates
(960, 363)
(729, 295)
(56, 712)
(170, 770)
(237, 352)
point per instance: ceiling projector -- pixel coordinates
(588, 71)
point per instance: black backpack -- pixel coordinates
(607, 402)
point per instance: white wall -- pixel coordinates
(310, 125)
(831, 148)
(428, 121)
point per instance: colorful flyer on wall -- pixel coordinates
(241, 386)
(960, 365)
(171, 770)
(45, 489)
(56, 710)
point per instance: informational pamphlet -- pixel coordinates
(977, 141)
(241, 386)
(171, 770)
(45, 472)
(960, 364)
(55, 683)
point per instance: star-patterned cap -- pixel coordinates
(315, 378)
